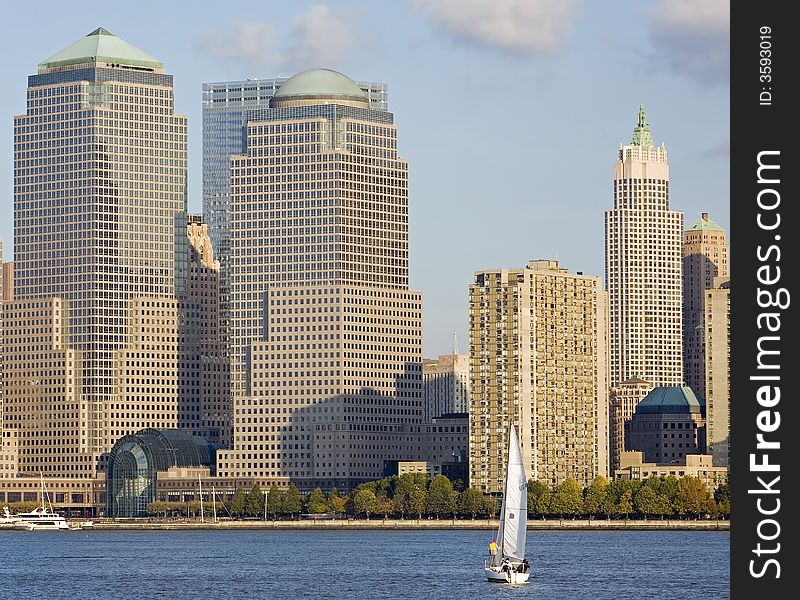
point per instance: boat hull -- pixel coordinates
(29, 526)
(496, 575)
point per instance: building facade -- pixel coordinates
(445, 385)
(42, 403)
(632, 466)
(538, 361)
(318, 276)
(204, 397)
(99, 190)
(705, 257)
(717, 349)
(667, 425)
(622, 405)
(8, 281)
(643, 266)
(227, 107)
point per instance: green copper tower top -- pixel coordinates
(101, 46)
(641, 133)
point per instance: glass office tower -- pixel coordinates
(99, 191)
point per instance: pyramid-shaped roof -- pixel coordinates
(705, 224)
(101, 46)
(671, 400)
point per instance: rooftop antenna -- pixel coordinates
(455, 342)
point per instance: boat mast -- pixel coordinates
(200, 483)
(214, 502)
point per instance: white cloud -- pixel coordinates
(692, 38)
(516, 26)
(251, 43)
(319, 37)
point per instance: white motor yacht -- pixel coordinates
(40, 519)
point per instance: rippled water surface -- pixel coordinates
(177, 565)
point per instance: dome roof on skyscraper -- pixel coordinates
(316, 86)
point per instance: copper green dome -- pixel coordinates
(318, 86)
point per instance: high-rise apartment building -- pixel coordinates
(99, 191)
(705, 256)
(325, 334)
(445, 385)
(538, 360)
(204, 396)
(643, 266)
(717, 346)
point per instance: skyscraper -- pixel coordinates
(538, 360)
(227, 106)
(717, 350)
(205, 402)
(99, 190)
(705, 256)
(643, 266)
(325, 334)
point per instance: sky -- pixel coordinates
(510, 113)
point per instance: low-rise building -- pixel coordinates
(632, 466)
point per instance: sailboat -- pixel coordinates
(508, 564)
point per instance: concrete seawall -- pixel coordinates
(418, 524)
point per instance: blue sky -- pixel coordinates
(509, 112)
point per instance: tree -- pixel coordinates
(669, 487)
(274, 500)
(158, 506)
(255, 502)
(239, 503)
(538, 497)
(646, 501)
(491, 506)
(292, 502)
(625, 503)
(471, 501)
(384, 506)
(568, 498)
(722, 496)
(416, 502)
(441, 497)
(595, 496)
(336, 503)
(406, 483)
(317, 503)
(364, 501)
(693, 497)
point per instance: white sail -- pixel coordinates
(514, 516)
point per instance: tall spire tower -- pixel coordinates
(643, 265)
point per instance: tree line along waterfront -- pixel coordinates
(416, 495)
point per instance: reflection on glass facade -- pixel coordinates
(136, 459)
(99, 180)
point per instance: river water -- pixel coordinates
(346, 565)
